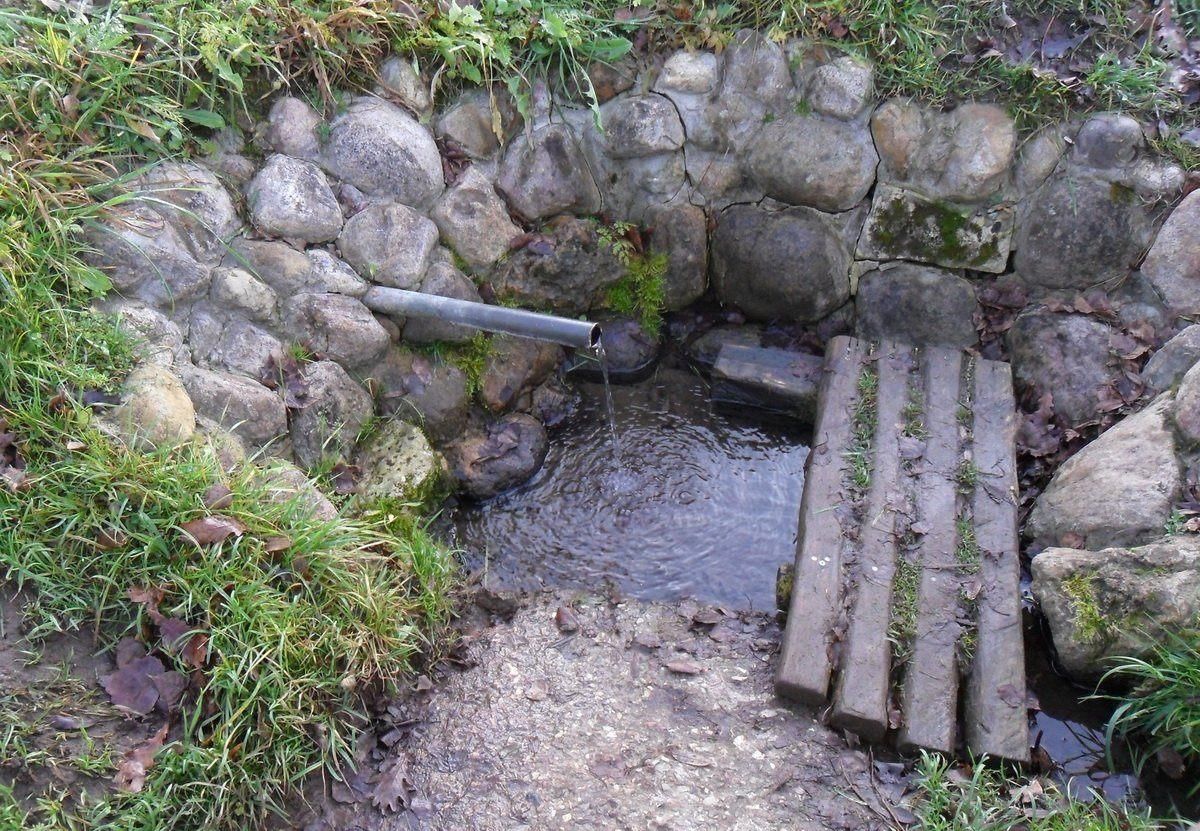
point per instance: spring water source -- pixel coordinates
(679, 501)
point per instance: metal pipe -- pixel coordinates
(576, 333)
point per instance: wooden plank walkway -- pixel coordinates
(906, 586)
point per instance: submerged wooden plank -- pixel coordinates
(995, 717)
(860, 702)
(929, 693)
(777, 380)
(805, 664)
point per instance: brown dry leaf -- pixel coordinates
(218, 497)
(172, 630)
(278, 543)
(131, 772)
(345, 478)
(74, 445)
(393, 789)
(108, 539)
(148, 596)
(195, 652)
(211, 530)
(685, 667)
(131, 688)
(566, 620)
(170, 686)
(129, 650)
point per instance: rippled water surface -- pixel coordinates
(698, 504)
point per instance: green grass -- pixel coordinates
(470, 357)
(1165, 707)
(979, 797)
(1090, 623)
(862, 437)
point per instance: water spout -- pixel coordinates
(580, 334)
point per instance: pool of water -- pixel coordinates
(694, 504)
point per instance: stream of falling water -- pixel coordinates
(610, 411)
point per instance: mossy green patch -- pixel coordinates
(932, 231)
(1090, 624)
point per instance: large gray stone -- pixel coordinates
(290, 198)
(335, 410)
(384, 152)
(791, 264)
(1066, 356)
(293, 129)
(1117, 602)
(389, 244)
(904, 225)
(1174, 358)
(1173, 264)
(690, 72)
(566, 271)
(918, 305)
(157, 338)
(288, 271)
(756, 86)
(444, 280)
(1077, 231)
(337, 327)
(1108, 140)
(681, 232)
(155, 410)
(145, 257)
(473, 220)
(243, 406)
(498, 456)
(193, 200)
(417, 388)
(546, 173)
(809, 160)
(399, 464)
(1118, 490)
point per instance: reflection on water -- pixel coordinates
(698, 504)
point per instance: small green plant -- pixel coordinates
(470, 357)
(982, 797)
(1165, 705)
(966, 476)
(641, 292)
(1090, 623)
(902, 628)
(913, 415)
(862, 436)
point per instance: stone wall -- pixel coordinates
(770, 175)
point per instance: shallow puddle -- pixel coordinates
(697, 504)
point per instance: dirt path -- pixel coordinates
(648, 716)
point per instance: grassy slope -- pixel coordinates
(146, 78)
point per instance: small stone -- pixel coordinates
(330, 275)
(640, 125)
(234, 289)
(515, 366)
(1187, 406)
(681, 232)
(245, 407)
(389, 244)
(444, 280)
(473, 220)
(1108, 140)
(1174, 358)
(195, 202)
(399, 464)
(400, 81)
(1064, 355)
(1118, 490)
(630, 352)
(335, 410)
(918, 305)
(293, 129)
(611, 79)
(283, 482)
(423, 391)
(290, 198)
(155, 409)
(337, 327)
(1173, 263)
(277, 264)
(897, 127)
(229, 341)
(694, 72)
(1038, 157)
(383, 151)
(842, 88)
(158, 338)
(468, 123)
(545, 173)
(808, 160)
(499, 456)
(703, 351)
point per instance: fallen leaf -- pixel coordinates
(108, 539)
(170, 686)
(211, 530)
(279, 543)
(685, 667)
(566, 619)
(345, 478)
(393, 789)
(707, 617)
(148, 596)
(131, 772)
(1010, 695)
(131, 689)
(129, 650)
(195, 652)
(218, 497)
(172, 630)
